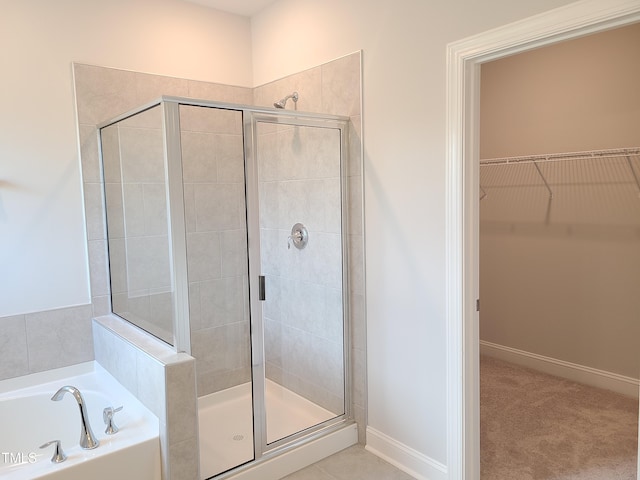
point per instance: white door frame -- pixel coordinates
(462, 226)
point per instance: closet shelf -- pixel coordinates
(560, 157)
(599, 187)
(597, 167)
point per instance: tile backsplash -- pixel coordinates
(40, 341)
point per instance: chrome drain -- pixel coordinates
(238, 437)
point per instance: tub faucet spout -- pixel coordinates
(87, 438)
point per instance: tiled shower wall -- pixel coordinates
(133, 157)
(214, 193)
(299, 182)
(101, 94)
(335, 88)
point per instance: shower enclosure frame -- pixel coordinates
(176, 220)
(250, 121)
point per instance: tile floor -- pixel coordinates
(354, 463)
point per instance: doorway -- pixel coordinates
(560, 259)
(463, 193)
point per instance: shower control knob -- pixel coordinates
(299, 236)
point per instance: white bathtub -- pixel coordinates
(29, 418)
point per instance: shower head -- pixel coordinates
(283, 102)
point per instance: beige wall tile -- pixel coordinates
(117, 259)
(110, 138)
(142, 155)
(354, 167)
(181, 401)
(48, 349)
(89, 155)
(306, 83)
(184, 460)
(204, 256)
(219, 92)
(211, 382)
(133, 209)
(222, 301)
(341, 86)
(148, 263)
(101, 305)
(199, 163)
(115, 218)
(161, 311)
(155, 209)
(209, 120)
(358, 322)
(151, 87)
(103, 93)
(14, 358)
(233, 247)
(94, 211)
(359, 372)
(230, 154)
(98, 269)
(356, 264)
(219, 207)
(151, 384)
(355, 205)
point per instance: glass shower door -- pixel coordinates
(213, 175)
(299, 183)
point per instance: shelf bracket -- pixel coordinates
(547, 217)
(633, 172)
(546, 184)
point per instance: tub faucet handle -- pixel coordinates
(58, 454)
(107, 415)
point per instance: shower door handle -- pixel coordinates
(261, 291)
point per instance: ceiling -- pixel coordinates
(246, 8)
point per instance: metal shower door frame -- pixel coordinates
(264, 450)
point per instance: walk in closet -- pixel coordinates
(560, 260)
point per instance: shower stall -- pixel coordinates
(227, 240)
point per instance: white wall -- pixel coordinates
(403, 45)
(43, 256)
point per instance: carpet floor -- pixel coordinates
(536, 426)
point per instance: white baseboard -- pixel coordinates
(571, 371)
(405, 458)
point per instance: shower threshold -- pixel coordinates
(226, 423)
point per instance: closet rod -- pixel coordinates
(559, 157)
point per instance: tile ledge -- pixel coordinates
(141, 340)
